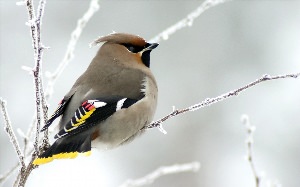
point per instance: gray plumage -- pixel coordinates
(115, 72)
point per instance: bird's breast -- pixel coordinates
(125, 124)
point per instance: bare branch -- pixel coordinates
(210, 101)
(45, 114)
(36, 42)
(24, 176)
(44, 105)
(69, 55)
(164, 170)
(35, 28)
(259, 180)
(187, 21)
(11, 134)
(249, 142)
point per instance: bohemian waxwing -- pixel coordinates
(110, 102)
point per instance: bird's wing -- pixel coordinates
(59, 111)
(93, 111)
(86, 116)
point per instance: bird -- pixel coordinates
(110, 103)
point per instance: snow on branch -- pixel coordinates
(249, 143)
(35, 27)
(164, 170)
(11, 134)
(249, 156)
(187, 21)
(210, 101)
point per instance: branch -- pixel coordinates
(69, 55)
(164, 170)
(187, 21)
(11, 134)
(249, 142)
(34, 24)
(259, 180)
(46, 143)
(210, 101)
(35, 28)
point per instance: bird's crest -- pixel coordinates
(121, 38)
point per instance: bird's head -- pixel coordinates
(126, 48)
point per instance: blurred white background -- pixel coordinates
(226, 47)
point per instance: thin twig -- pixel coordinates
(210, 101)
(33, 22)
(16, 183)
(37, 72)
(69, 55)
(38, 110)
(44, 105)
(11, 134)
(45, 114)
(35, 27)
(164, 170)
(249, 142)
(25, 175)
(187, 21)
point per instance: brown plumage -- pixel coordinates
(110, 102)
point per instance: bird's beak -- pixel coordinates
(150, 46)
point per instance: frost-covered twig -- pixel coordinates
(187, 21)
(209, 101)
(11, 134)
(164, 170)
(249, 143)
(69, 55)
(35, 26)
(259, 180)
(45, 113)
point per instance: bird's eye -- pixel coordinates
(133, 49)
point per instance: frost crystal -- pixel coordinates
(20, 3)
(161, 129)
(267, 76)
(165, 36)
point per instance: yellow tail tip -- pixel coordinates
(71, 155)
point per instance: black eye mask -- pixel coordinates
(133, 49)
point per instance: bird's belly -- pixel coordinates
(124, 125)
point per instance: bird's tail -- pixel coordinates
(67, 147)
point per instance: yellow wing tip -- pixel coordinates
(71, 155)
(39, 161)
